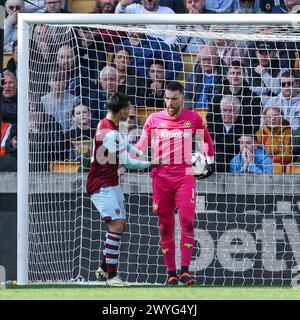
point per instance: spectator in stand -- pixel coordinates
(287, 6)
(97, 99)
(156, 85)
(143, 49)
(78, 81)
(8, 108)
(289, 98)
(110, 37)
(236, 85)
(105, 6)
(12, 64)
(54, 6)
(252, 158)
(276, 136)
(286, 51)
(190, 44)
(230, 50)
(46, 139)
(59, 102)
(227, 132)
(8, 162)
(9, 98)
(176, 5)
(81, 78)
(246, 6)
(205, 81)
(267, 6)
(67, 62)
(12, 7)
(42, 57)
(91, 51)
(221, 6)
(128, 82)
(266, 74)
(150, 7)
(34, 6)
(81, 137)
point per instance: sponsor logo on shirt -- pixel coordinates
(175, 134)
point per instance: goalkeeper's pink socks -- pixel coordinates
(186, 248)
(168, 250)
(111, 253)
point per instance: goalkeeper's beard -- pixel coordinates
(174, 111)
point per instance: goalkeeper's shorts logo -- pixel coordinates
(118, 211)
(164, 251)
(187, 124)
(155, 206)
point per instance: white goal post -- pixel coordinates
(216, 259)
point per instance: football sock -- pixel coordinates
(111, 252)
(187, 235)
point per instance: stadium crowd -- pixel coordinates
(249, 90)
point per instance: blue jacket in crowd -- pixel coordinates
(152, 48)
(262, 162)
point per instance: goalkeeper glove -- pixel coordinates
(203, 166)
(208, 171)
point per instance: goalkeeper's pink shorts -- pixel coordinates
(172, 190)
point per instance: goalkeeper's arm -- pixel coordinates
(205, 143)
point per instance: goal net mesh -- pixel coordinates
(236, 77)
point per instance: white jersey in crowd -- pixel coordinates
(137, 8)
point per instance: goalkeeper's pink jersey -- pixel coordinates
(173, 137)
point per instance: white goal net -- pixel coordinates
(242, 79)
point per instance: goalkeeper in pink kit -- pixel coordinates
(172, 131)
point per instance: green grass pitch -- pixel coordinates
(148, 293)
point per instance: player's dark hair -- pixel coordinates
(14, 45)
(291, 73)
(78, 105)
(175, 86)
(159, 62)
(118, 101)
(236, 64)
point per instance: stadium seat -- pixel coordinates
(64, 167)
(144, 113)
(202, 112)
(109, 58)
(293, 168)
(277, 168)
(188, 64)
(6, 57)
(79, 6)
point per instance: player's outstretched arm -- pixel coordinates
(114, 142)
